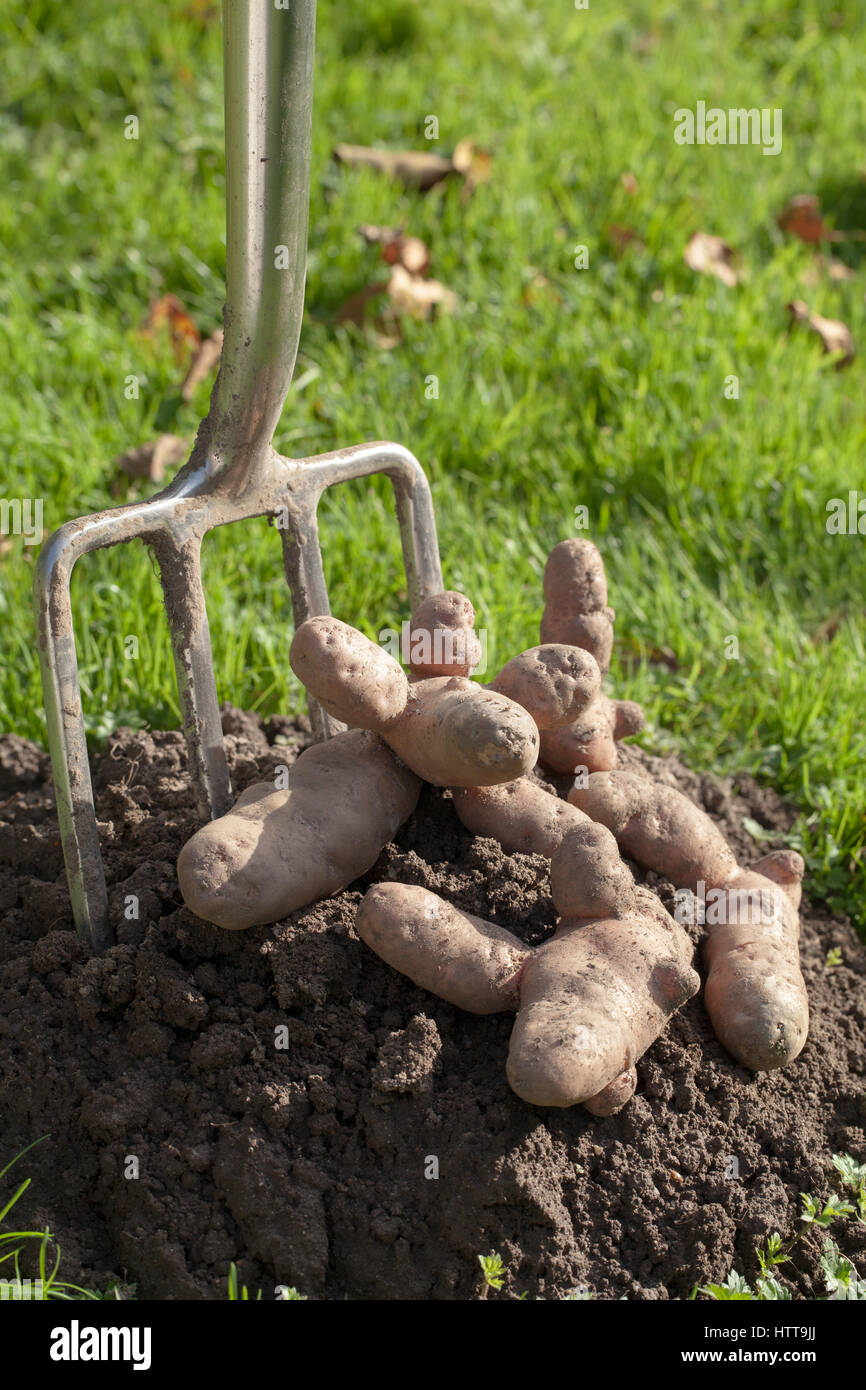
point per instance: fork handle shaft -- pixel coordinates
(268, 57)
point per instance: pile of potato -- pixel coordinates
(593, 997)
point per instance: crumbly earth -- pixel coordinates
(294, 1105)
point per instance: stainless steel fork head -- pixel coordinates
(233, 473)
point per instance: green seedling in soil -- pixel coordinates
(833, 957)
(853, 1175)
(13, 1243)
(840, 1276)
(493, 1272)
(239, 1292)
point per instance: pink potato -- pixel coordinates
(755, 992)
(589, 1002)
(277, 850)
(522, 816)
(465, 960)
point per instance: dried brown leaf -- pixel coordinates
(834, 334)
(711, 255)
(205, 361)
(827, 266)
(168, 312)
(355, 308)
(413, 295)
(802, 217)
(398, 248)
(472, 162)
(404, 294)
(538, 290)
(420, 169)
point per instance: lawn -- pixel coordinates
(606, 387)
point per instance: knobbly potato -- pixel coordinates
(465, 960)
(277, 850)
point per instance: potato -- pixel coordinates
(592, 1000)
(441, 640)
(522, 816)
(590, 742)
(755, 992)
(554, 683)
(276, 851)
(575, 592)
(658, 827)
(587, 877)
(352, 678)
(463, 959)
(454, 733)
(589, 1002)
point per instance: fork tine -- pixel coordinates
(180, 576)
(302, 561)
(67, 741)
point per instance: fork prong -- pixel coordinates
(412, 495)
(68, 744)
(180, 576)
(302, 561)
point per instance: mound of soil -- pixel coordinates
(281, 1098)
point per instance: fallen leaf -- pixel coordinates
(152, 459)
(404, 294)
(204, 11)
(835, 335)
(538, 289)
(355, 308)
(169, 312)
(398, 248)
(623, 237)
(414, 295)
(828, 629)
(663, 656)
(802, 217)
(711, 255)
(473, 163)
(421, 169)
(205, 360)
(629, 183)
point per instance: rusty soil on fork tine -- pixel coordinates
(307, 1164)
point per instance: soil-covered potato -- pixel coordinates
(521, 815)
(471, 963)
(454, 733)
(278, 850)
(352, 678)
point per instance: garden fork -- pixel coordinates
(233, 472)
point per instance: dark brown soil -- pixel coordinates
(309, 1164)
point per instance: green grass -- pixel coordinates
(41, 1249)
(604, 390)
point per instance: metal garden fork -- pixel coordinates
(233, 472)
